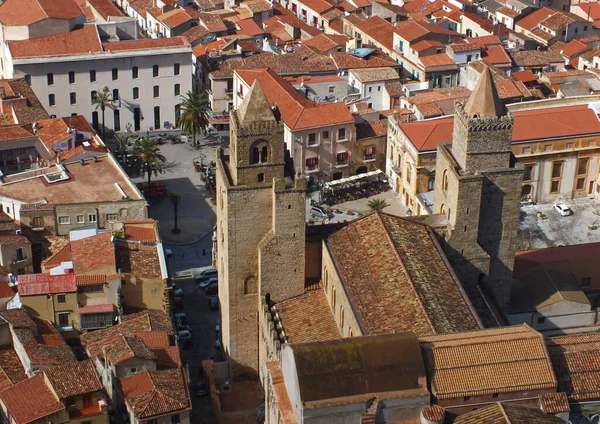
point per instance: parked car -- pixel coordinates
(205, 274)
(213, 303)
(168, 253)
(218, 326)
(218, 341)
(212, 290)
(181, 317)
(201, 390)
(317, 212)
(182, 327)
(562, 209)
(209, 281)
(185, 138)
(185, 336)
(177, 291)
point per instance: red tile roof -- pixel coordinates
(324, 42)
(41, 284)
(93, 279)
(27, 12)
(102, 308)
(425, 135)
(11, 368)
(15, 240)
(143, 234)
(6, 291)
(138, 260)
(378, 29)
(527, 260)
(81, 40)
(440, 59)
(154, 339)
(94, 254)
(105, 8)
(39, 403)
(573, 47)
(156, 393)
(591, 9)
(533, 19)
(145, 44)
(376, 254)
(74, 379)
(297, 111)
(248, 27)
(496, 55)
(525, 76)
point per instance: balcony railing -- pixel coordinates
(341, 163)
(397, 170)
(370, 158)
(312, 168)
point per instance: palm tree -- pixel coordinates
(175, 199)
(122, 141)
(150, 158)
(377, 204)
(101, 101)
(194, 113)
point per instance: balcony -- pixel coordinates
(342, 140)
(370, 158)
(397, 170)
(311, 169)
(314, 143)
(399, 48)
(341, 163)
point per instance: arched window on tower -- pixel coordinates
(260, 152)
(250, 285)
(445, 180)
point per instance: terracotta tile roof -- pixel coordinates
(369, 129)
(212, 22)
(17, 318)
(147, 321)
(464, 47)
(507, 413)
(95, 254)
(142, 234)
(195, 33)
(154, 339)
(573, 47)
(93, 279)
(81, 40)
(77, 378)
(145, 44)
(42, 284)
(540, 33)
(318, 6)
(119, 348)
(440, 59)
(378, 29)
(331, 15)
(102, 308)
(257, 6)
(425, 135)
(63, 255)
(528, 260)
(511, 13)
(157, 393)
(15, 132)
(496, 55)
(425, 44)
(554, 403)
(27, 12)
(14, 240)
(174, 18)
(249, 27)
(25, 409)
(576, 361)
(484, 41)
(560, 20)
(308, 318)
(324, 42)
(6, 291)
(425, 300)
(433, 413)
(21, 113)
(502, 360)
(43, 344)
(11, 369)
(105, 8)
(526, 58)
(533, 19)
(413, 30)
(374, 74)
(167, 357)
(394, 88)
(297, 112)
(525, 76)
(138, 260)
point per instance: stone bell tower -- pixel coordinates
(478, 189)
(260, 228)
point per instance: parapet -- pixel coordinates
(477, 124)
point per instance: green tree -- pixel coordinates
(122, 141)
(176, 200)
(101, 101)
(193, 116)
(377, 204)
(150, 159)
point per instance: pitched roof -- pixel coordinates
(81, 40)
(297, 111)
(484, 102)
(426, 135)
(73, 379)
(359, 365)
(42, 284)
(27, 12)
(374, 74)
(544, 287)
(255, 107)
(39, 404)
(525, 58)
(95, 254)
(533, 19)
(475, 363)
(156, 393)
(378, 29)
(576, 361)
(324, 42)
(507, 413)
(105, 8)
(308, 318)
(11, 368)
(377, 254)
(138, 260)
(560, 20)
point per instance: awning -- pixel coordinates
(102, 308)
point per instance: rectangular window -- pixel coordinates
(115, 94)
(61, 298)
(156, 91)
(526, 150)
(27, 79)
(92, 75)
(332, 88)
(557, 169)
(134, 72)
(73, 98)
(71, 77)
(541, 320)
(50, 77)
(177, 90)
(115, 74)
(93, 95)
(81, 219)
(548, 148)
(51, 99)
(64, 219)
(91, 218)
(342, 134)
(582, 165)
(117, 119)
(175, 419)
(63, 320)
(527, 172)
(370, 89)
(136, 92)
(112, 216)
(591, 143)
(19, 254)
(570, 145)
(176, 69)
(580, 185)
(312, 139)
(586, 281)
(554, 186)
(37, 222)
(155, 71)
(325, 135)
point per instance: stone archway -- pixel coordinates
(362, 170)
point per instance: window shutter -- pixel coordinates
(373, 150)
(307, 162)
(345, 155)
(316, 161)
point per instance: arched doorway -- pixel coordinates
(362, 170)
